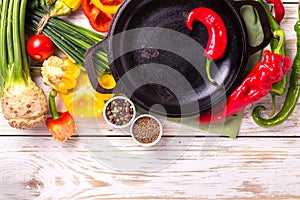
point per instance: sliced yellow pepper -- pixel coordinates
(107, 81)
(83, 100)
(73, 4)
(108, 9)
(60, 73)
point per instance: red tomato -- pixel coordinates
(39, 47)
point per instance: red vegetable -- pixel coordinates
(255, 86)
(99, 20)
(39, 47)
(278, 8)
(61, 125)
(217, 33)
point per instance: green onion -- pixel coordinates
(71, 39)
(24, 104)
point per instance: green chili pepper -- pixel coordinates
(293, 93)
(280, 87)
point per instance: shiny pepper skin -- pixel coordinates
(217, 32)
(61, 128)
(278, 8)
(255, 86)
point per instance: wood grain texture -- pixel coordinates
(257, 168)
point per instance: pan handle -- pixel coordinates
(90, 68)
(263, 21)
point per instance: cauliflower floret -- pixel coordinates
(60, 73)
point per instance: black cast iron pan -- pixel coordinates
(156, 60)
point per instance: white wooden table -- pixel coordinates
(261, 163)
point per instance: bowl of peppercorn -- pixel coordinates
(146, 130)
(119, 112)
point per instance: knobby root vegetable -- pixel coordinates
(25, 108)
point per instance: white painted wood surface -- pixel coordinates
(260, 164)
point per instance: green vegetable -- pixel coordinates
(71, 39)
(24, 104)
(278, 88)
(293, 93)
(33, 4)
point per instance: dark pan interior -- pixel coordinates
(171, 14)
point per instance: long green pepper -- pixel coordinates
(278, 88)
(293, 93)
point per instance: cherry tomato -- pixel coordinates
(39, 47)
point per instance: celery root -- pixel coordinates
(25, 109)
(23, 103)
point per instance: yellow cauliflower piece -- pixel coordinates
(60, 73)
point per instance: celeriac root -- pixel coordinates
(27, 109)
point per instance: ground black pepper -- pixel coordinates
(146, 130)
(119, 112)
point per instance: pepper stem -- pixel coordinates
(279, 34)
(208, 62)
(52, 105)
(273, 106)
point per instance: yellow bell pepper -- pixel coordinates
(107, 81)
(108, 9)
(73, 4)
(60, 73)
(65, 7)
(83, 100)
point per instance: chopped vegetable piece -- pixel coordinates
(60, 125)
(99, 20)
(83, 100)
(107, 81)
(65, 7)
(109, 9)
(60, 73)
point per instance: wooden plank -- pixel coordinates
(260, 168)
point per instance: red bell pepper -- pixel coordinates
(99, 20)
(60, 125)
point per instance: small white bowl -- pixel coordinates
(109, 103)
(139, 142)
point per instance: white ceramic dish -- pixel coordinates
(109, 103)
(141, 143)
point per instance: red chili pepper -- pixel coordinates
(61, 125)
(255, 86)
(99, 20)
(217, 33)
(278, 8)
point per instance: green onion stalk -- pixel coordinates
(73, 40)
(24, 104)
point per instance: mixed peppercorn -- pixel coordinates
(119, 111)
